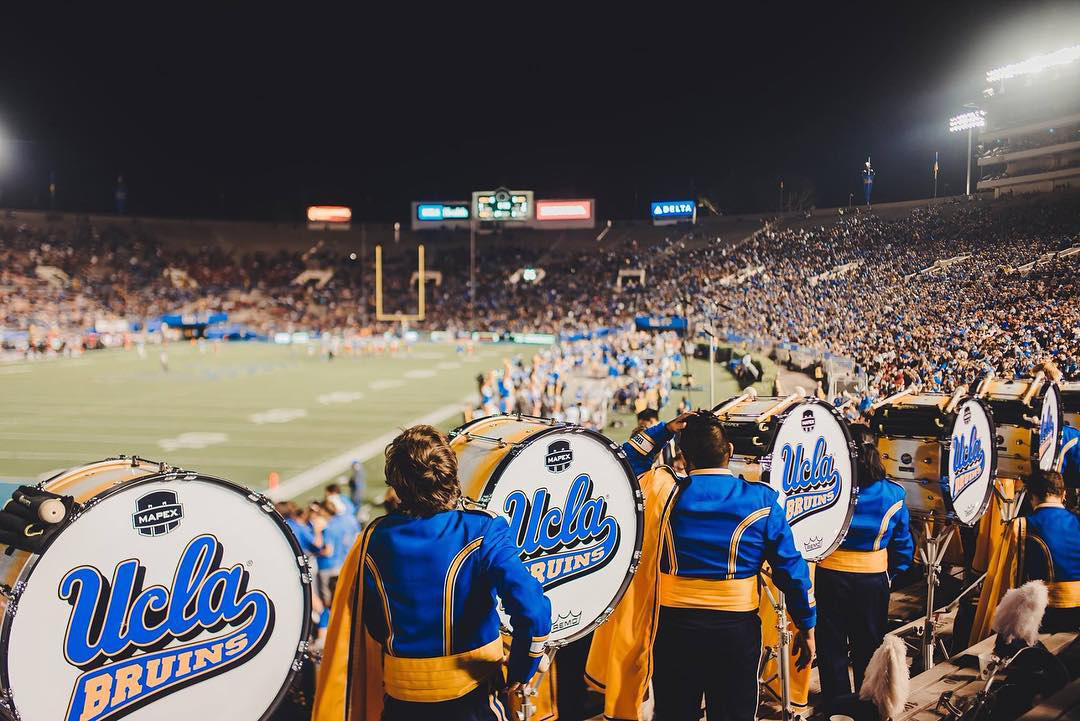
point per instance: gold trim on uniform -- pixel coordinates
(448, 593)
(1064, 594)
(1059, 462)
(442, 678)
(732, 594)
(736, 536)
(385, 602)
(856, 561)
(885, 523)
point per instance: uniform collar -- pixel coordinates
(710, 472)
(1050, 504)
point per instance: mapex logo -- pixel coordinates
(906, 459)
(808, 420)
(157, 513)
(810, 484)
(560, 544)
(968, 461)
(119, 633)
(559, 456)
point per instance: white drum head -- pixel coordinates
(575, 511)
(1050, 428)
(812, 466)
(174, 597)
(972, 462)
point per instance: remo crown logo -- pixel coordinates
(120, 634)
(559, 544)
(811, 484)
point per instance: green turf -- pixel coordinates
(65, 412)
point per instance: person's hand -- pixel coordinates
(805, 648)
(514, 688)
(679, 423)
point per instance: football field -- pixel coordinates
(240, 411)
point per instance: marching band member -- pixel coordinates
(1051, 550)
(1068, 460)
(426, 596)
(707, 538)
(852, 583)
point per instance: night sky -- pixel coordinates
(256, 113)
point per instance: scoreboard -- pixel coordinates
(503, 205)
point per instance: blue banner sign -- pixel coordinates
(671, 209)
(442, 211)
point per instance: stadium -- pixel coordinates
(315, 413)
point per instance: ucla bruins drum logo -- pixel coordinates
(561, 543)
(159, 600)
(811, 468)
(573, 507)
(969, 473)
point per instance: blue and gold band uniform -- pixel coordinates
(1051, 553)
(429, 599)
(852, 585)
(721, 531)
(1068, 459)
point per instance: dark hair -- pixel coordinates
(703, 442)
(871, 468)
(422, 470)
(333, 488)
(649, 414)
(1046, 483)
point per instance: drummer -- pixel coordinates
(852, 583)
(1052, 550)
(721, 531)
(442, 649)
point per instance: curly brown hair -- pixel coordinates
(422, 470)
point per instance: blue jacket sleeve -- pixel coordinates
(522, 598)
(790, 572)
(1069, 456)
(901, 546)
(643, 447)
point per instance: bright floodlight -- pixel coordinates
(1035, 64)
(967, 121)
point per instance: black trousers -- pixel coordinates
(714, 654)
(480, 704)
(853, 610)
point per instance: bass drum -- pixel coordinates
(803, 449)
(1018, 407)
(164, 595)
(913, 432)
(973, 460)
(572, 503)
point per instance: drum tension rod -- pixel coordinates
(498, 441)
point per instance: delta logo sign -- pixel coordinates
(559, 544)
(121, 635)
(673, 209)
(811, 483)
(968, 462)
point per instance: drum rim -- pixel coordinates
(943, 435)
(947, 447)
(1052, 386)
(177, 475)
(635, 487)
(852, 455)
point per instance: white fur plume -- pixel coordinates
(887, 680)
(1020, 613)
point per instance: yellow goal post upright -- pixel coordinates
(421, 282)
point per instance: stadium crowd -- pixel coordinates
(937, 295)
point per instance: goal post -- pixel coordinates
(420, 289)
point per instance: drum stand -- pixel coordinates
(781, 652)
(931, 551)
(527, 691)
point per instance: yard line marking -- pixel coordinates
(277, 415)
(317, 475)
(383, 384)
(420, 373)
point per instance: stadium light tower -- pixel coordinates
(968, 121)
